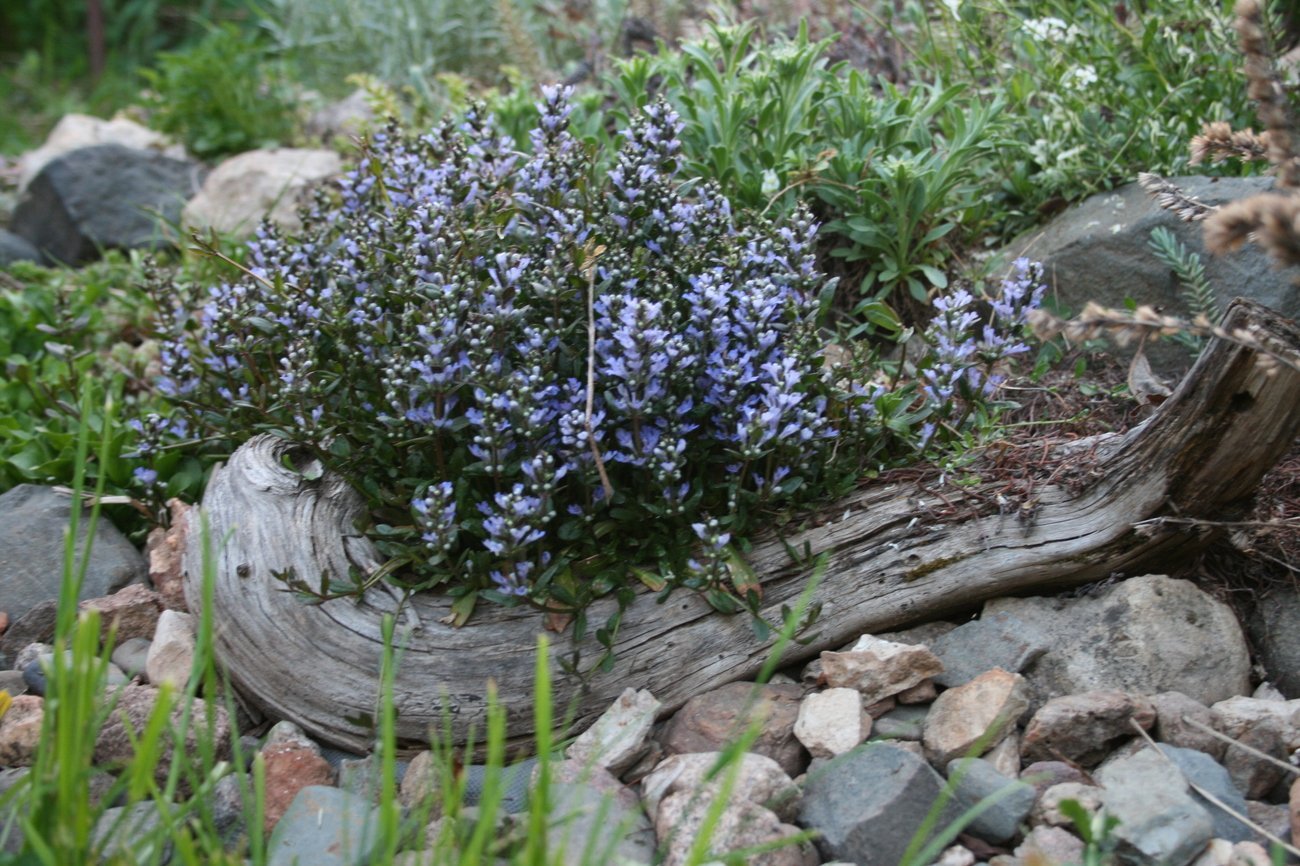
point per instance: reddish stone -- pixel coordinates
(288, 770)
(132, 611)
(165, 550)
(983, 709)
(713, 720)
(1085, 728)
(20, 731)
(134, 708)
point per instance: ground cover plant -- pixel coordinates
(571, 372)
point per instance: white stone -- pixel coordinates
(1048, 808)
(956, 855)
(759, 779)
(260, 183)
(171, 655)
(832, 722)
(618, 738)
(75, 131)
(1249, 853)
(1236, 715)
(1005, 756)
(1217, 853)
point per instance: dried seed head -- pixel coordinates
(1219, 143)
(1171, 197)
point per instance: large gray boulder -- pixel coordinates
(1144, 636)
(33, 520)
(105, 197)
(1100, 251)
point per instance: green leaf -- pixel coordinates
(722, 602)
(654, 581)
(462, 608)
(937, 278)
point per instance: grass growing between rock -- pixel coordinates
(159, 806)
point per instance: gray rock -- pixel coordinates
(30, 653)
(591, 810)
(16, 249)
(324, 827)
(998, 640)
(34, 628)
(867, 804)
(130, 655)
(904, 722)
(1160, 822)
(228, 817)
(361, 777)
(104, 197)
(12, 682)
(1204, 772)
(32, 523)
(12, 843)
(75, 131)
(1263, 726)
(1145, 635)
(1275, 632)
(620, 736)
(347, 117)
(132, 833)
(976, 780)
(35, 673)
(1176, 715)
(34, 677)
(1100, 251)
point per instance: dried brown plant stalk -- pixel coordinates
(1171, 197)
(1271, 220)
(1146, 323)
(1219, 143)
(1265, 87)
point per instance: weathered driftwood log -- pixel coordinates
(897, 554)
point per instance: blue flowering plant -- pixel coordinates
(548, 383)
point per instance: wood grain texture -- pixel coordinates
(891, 562)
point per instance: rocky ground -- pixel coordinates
(1138, 697)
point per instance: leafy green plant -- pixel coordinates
(1197, 293)
(225, 94)
(891, 173)
(64, 334)
(1095, 829)
(1094, 92)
